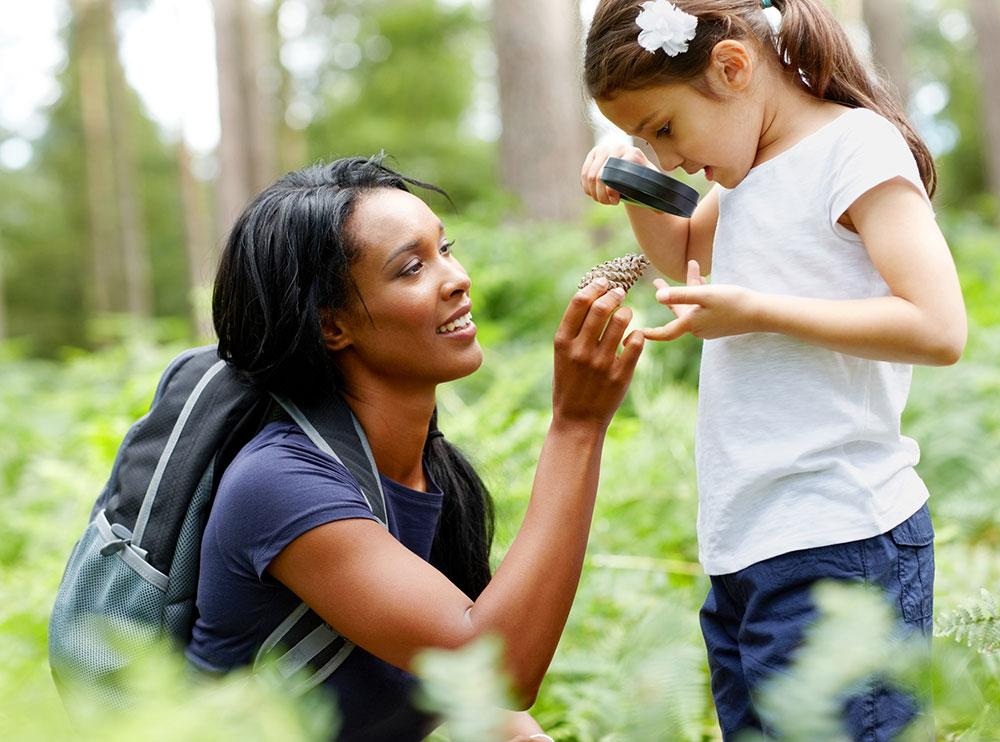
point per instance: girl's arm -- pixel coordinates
(384, 598)
(661, 236)
(923, 321)
(668, 241)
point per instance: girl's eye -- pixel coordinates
(663, 130)
(446, 247)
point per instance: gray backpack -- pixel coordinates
(132, 577)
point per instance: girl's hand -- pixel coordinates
(590, 378)
(590, 178)
(706, 312)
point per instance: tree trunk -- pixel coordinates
(199, 244)
(131, 232)
(292, 147)
(986, 21)
(3, 296)
(246, 145)
(97, 149)
(886, 21)
(542, 144)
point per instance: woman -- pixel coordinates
(337, 278)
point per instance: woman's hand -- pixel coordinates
(590, 378)
(706, 312)
(522, 727)
(590, 178)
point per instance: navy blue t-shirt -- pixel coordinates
(277, 488)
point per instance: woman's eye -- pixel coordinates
(663, 130)
(412, 268)
(446, 247)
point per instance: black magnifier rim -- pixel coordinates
(650, 188)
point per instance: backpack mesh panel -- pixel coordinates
(179, 612)
(103, 592)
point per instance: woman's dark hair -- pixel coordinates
(285, 266)
(812, 49)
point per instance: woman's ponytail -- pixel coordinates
(461, 548)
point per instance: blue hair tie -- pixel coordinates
(766, 4)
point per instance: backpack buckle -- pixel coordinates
(124, 539)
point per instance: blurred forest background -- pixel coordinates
(133, 131)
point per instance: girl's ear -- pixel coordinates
(731, 66)
(336, 335)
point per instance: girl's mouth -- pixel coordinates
(709, 172)
(458, 326)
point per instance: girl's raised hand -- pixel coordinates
(590, 377)
(590, 178)
(705, 311)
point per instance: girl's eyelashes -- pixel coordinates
(447, 246)
(663, 130)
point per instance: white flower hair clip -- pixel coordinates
(665, 26)
(773, 16)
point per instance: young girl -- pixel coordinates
(829, 278)
(338, 280)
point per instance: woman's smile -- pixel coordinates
(459, 327)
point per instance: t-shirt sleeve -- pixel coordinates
(873, 151)
(274, 494)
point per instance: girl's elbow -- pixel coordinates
(948, 350)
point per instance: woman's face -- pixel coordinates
(414, 327)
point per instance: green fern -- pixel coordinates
(976, 624)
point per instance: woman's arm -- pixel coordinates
(387, 600)
(922, 322)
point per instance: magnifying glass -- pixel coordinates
(650, 188)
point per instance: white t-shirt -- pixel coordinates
(799, 446)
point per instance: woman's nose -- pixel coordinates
(456, 280)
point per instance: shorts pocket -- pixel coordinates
(914, 539)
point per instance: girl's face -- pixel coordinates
(414, 327)
(692, 130)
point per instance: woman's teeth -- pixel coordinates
(457, 324)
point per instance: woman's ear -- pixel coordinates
(731, 66)
(336, 335)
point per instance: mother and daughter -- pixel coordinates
(830, 278)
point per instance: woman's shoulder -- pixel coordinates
(280, 471)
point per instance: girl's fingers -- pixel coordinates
(693, 273)
(669, 331)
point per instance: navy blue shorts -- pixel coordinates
(754, 619)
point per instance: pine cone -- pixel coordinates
(623, 271)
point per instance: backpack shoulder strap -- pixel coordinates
(304, 639)
(332, 427)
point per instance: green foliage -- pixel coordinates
(467, 689)
(409, 93)
(631, 663)
(977, 624)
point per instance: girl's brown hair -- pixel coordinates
(812, 49)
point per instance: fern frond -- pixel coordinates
(977, 624)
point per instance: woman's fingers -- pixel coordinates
(578, 310)
(599, 314)
(632, 349)
(614, 331)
